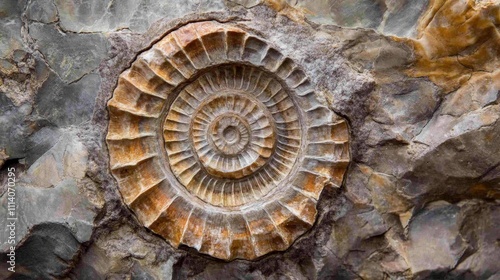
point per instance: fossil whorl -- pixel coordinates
(218, 142)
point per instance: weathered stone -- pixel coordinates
(402, 17)
(462, 246)
(360, 13)
(356, 185)
(399, 18)
(402, 110)
(42, 11)
(247, 3)
(49, 251)
(107, 258)
(66, 105)
(483, 232)
(469, 150)
(3, 157)
(61, 204)
(10, 27)
(383, 190)
(40, 142)
(65, 160)
(454, 127)
(71, 55)
(355, 227)
(447, 34)
(94, 264)
(22, 74)
(479, 92)
(138, 16)
(13, 131)
(65, 202)
(22, 139)
(7, 68)
(437, 231)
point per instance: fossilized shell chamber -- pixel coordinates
(219, 142)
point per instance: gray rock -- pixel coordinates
(356, 185)
(402, 18)
(71, 55)
(356, 226)
(492, 179)
(140, 259)
(384, 192)
(3, 159)
(10, 27)
(360, 13)
(435, 243)
(21, 138)
(334, 272)
(247, 3)
(230, 271)
(399, 18)
(402, 110)
(48, 252)
(40, 142)
(66, 105)
(138, 16)
(61, 204)
(94, 264)
(13, 131)
(453, 127)
(482, 229)
(472, 107)
(67, 159)
(21, 75)
(43, 11)
(469, 151)
(50, 192)
(405, 102)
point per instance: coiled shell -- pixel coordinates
(218, 142)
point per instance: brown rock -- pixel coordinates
(457, 39)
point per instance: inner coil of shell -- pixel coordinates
(218, 142)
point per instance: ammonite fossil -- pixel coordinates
(219, 142)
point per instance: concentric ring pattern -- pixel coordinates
(219, 142)
(232, 135)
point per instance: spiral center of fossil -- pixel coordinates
(231, 134)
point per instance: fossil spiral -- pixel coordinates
(219, 142)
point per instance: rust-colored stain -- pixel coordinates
(218, 142)
(482, 190)
(283, 8)
(457, 40)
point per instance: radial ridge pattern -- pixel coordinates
(219, 142)
(244, 135)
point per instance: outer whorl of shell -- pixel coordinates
(218, 142)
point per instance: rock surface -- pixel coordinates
(417, 81)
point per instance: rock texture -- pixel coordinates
(415, 81)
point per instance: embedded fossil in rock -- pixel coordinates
(244, 133)
(218, 142)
